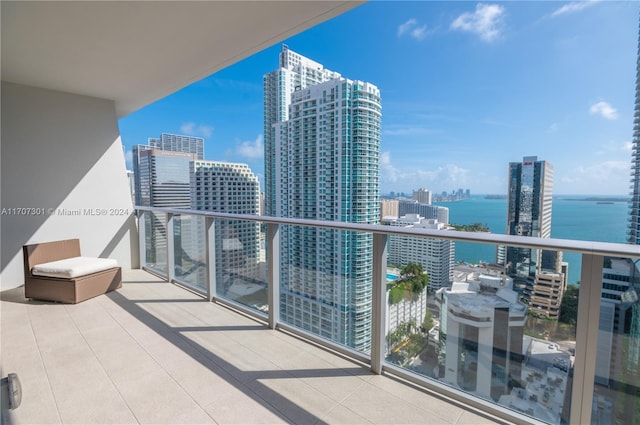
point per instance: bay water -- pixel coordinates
(573, 217)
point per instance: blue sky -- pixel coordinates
(466, 88)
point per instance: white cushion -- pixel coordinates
(73, 267)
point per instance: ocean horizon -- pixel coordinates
(601, 218)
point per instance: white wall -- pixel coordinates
(62, 151)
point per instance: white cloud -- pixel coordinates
(604, 109)
(447, 177)
(411, 28)
(251, 149)
(574, 6)
(613, 147)
(486, 21)
(193, 129)
(607, 177)
(388, 172)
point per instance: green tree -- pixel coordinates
(396, 294)
(569, 305)
(413, 278)
(473, 227)
(427, 323)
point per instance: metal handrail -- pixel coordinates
(568, 245)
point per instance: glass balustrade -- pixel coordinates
(155, 244)
(524, 345)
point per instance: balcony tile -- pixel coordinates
(379, 406)
(297, 401)
(238, 407)
(468, 418)
(152, 352)
(342, 415)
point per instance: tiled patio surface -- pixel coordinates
(153, 352)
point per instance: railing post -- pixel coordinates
(379, 302)
(142, 238)
(210, 255)
(586, 338)
(170, 248)
(273, 267)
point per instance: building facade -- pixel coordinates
(388, 208)
(229, 188)
(436, 256)
(422, 195)
(537, 272)
(484, 326)
(412, 206)
(179, 143)
(153, 166)
(161, 180)
(295, 72)
(321, 162)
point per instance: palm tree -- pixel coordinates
(413, 279)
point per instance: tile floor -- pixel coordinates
(155, 353)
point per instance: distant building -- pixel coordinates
(436, 256)
(483, 321)
(179, 143)
(537, 272)
(410, 206)
(162, 178)
(132, 185)
(422, 195)
(388, 208)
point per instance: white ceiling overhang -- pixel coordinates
(136, 52)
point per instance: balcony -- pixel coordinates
(242, 340)
(153, 352)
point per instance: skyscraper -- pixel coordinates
(322, 146)
(162, 178)
(161, 175)
(536, 271)
(230, 188)
(295, 73)
(634, 214)
(179, 143)
(618, 358)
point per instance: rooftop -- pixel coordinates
(153, 352)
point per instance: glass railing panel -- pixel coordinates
(616, 398)
(500, 338)
(326, 283)
(156, 241)
(241, 272)
(189, 236)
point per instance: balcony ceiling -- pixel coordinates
(138, 52)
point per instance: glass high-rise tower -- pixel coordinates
(537, 272)
(529, 212)
(322, 147)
